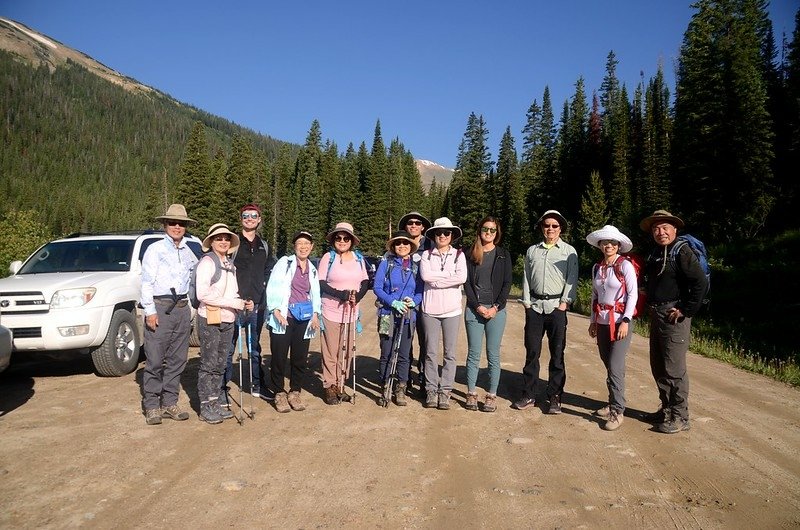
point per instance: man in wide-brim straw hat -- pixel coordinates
(166, 268)
(675, 286)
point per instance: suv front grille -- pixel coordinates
(23, 303)
(27, 333)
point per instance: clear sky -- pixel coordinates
(420, 67)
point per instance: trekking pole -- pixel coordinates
(249, 335)
(240, 417)
(341, 356)
(355, 336)
(392, 366)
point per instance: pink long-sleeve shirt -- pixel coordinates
(224, 293)
(443, 274)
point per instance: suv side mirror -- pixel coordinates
(15, 266)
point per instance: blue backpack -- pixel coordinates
(699, 250)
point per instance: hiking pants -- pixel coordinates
(536, 325)
(403, 362)
(280, 345)
(214, 341)
(332, 348)
(613, 355)
(440, 331)
(166, 349)
(493, 329)
(668, 346)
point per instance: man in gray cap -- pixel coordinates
(676, 285)
(548, 288)
(166, 268)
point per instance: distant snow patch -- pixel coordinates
(32, 35)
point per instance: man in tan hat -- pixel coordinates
(166, 269)
(548, 288)
(676, 285)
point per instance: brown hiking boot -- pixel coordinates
(282, 402)
(295, 402)
(400, 395)
(153, 416)
(444, 401)
(490, 403)
(472, 401)
(431, 399)
(331, 396)
(614, 421)
(174, 412)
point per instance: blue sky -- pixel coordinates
(419, 67)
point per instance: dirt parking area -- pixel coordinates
(76, 452)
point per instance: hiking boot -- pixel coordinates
(524, 403)
(209, 414)
(224, 413)
(400, 395)
(673, 425)
(604, 412)
(331, 396)
(174, 412)
(431, 399)
(555, 405)
(614, 420)
(444, 401)
(659, 416)
(490, 403)
(282, 403)
(223, 398)
(472, 401)
(295, 402)
(153, 416)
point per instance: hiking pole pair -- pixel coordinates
(345, 332)
(392, 366)
(241, 416)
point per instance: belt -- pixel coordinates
(545, 296)
(656, 305)
(169, 297)
(168, 302)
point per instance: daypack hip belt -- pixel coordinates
(619, 307)
(169, 297)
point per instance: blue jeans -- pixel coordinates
(477, 327)
(254, 319)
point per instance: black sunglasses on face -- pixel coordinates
(345, 239)
(177, 223)
(414, 223)
(488, 230)
(222, 238)
(444, 233)
(551, 226)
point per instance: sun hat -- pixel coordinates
(347, 228)
(401, 225)
(610, 232)
(176, 212)
(660, 216)
(302, 233)
(398, 235)
(554, 214)
(217, 229)
(443, 223)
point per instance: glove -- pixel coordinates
(409, 303)
(399, 306)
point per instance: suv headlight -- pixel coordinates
(67, 298)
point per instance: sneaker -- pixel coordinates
(224, 413)
(614, 421)
(153, 416)
(524, 403)
(209, 414)
(431, 399)
(174, 412)
(295, 402)
(331, 396)
(343, 395)
(673, 425)
(282, 403)
(555, 405)
(256, 393)
(223, 398)
(604, 412)
(472, 401)
(444, 401)
(489, 403)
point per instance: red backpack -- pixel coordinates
(638, 264)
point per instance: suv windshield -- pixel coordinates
(81, 255)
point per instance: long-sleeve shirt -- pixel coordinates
(253, 264)
(682, 280)
(607, 290)
(443, 274)
(400, 283)
(551, 272)
(165, 267)
(279, 289)
(224, 293)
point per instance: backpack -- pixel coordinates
(699, 250)
(638, 265)
(193, 278)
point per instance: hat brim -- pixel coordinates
(206, 246)
(164, 218)
(390, 243)
(625, 244)
(553, 215)
(648, 222)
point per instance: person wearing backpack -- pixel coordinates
(676, 287)
(398, 290)
(488, 283)
(615, 292)
(219, 303)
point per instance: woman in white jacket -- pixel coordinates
(218, 294)
(293, 304)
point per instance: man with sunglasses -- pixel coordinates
(166, 269)
(253, 265)
(548, 288)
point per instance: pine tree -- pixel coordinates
(467, 196)
(657, 132)
(593, 216)
(194, 178)
(511, 196)
(572, 159)
(376, 208)
(241, 179)
(309, 211)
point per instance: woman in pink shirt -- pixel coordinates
(444, 271)
(219, 302)
(343, 283)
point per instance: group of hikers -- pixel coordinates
(418, 287)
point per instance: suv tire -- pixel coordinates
(119, 353)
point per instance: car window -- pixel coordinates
(81, 256)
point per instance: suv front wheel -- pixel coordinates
(119, 353)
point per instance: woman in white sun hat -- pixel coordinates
(614, 296)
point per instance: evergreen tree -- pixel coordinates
(593, 216)
(377, 212)
(283, 203)
(621, 209)
(23, 232)
(241, 179)
(573, 162)
(309, 211)
(511, 195)
(466, 194)
(655, 193)
(194, 178)
(347, 199)
(330, 175)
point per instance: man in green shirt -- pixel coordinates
(548, 288)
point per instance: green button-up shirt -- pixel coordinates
(552, 271)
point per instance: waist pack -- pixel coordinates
(302, 311)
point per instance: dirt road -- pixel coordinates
(76, 452)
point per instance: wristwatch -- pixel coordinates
(626, 320)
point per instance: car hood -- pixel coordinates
(48, 283)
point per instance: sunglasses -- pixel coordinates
(253, 215)
(444, 233)
(609, 242)
(177, 223)
(551, 226)
(345, 239)
(488, 230)
(414, 222)
(402, 242)
(221, 238)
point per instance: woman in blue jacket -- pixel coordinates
(398, 289)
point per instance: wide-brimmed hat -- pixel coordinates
(347, 228)
(217, 229)
(660, 216)
(302, 233)
(612, 233)
(401, 225)
(555, 214)
(443, 223)
(176, 212)
(401, 234)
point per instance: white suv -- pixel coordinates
(81, 293)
